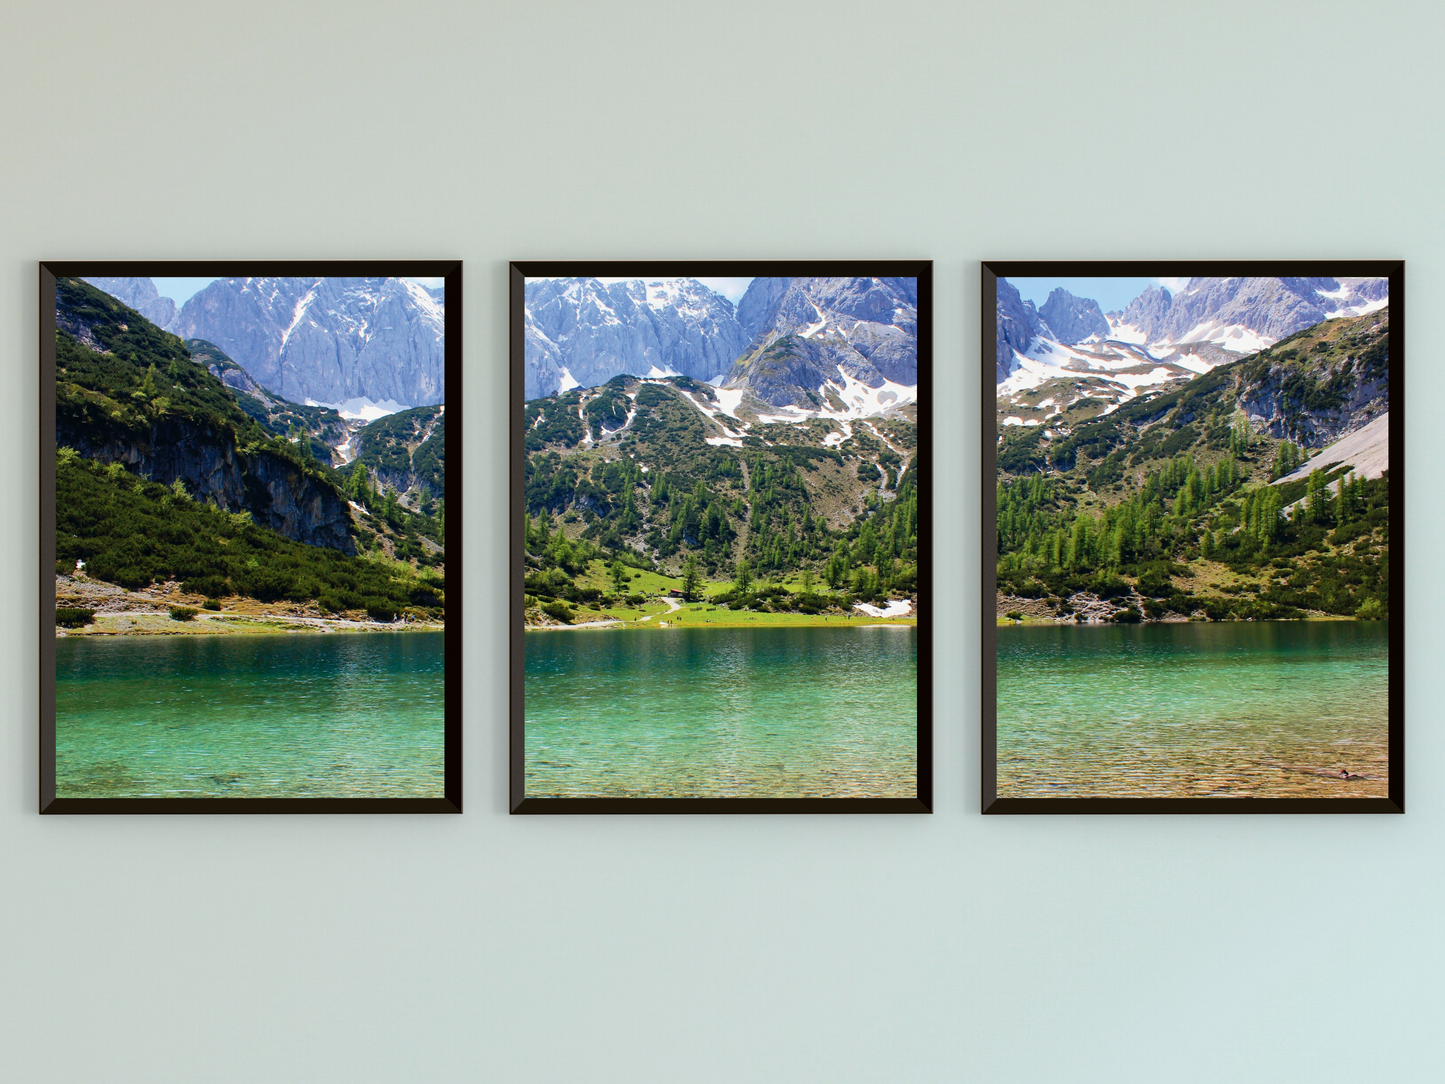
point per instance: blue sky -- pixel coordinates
(180, 290)
(1112, 294)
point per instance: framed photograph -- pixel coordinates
(1193, 494)
(248, 495)
(720, 537)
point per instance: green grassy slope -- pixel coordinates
(1170, 497)
(653, 494)
(132, 532)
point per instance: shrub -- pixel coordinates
(560, 610)
(1370, 610)
(1014, 615)
(183, 613)
(211, 604)
(71, 617)
(380, 611)
(210, 586)
(1128, 616)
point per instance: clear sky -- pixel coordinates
(1112, 294)
(179, 290)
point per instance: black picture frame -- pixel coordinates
(991, 271)
(519, 272)
(448, 270)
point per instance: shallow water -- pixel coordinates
(341, 715)
(769, 712)
(1230, 709)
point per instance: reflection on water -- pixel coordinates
(344, 715)
(1232, 709)
(778, 713)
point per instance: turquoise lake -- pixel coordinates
(285, 716)
(775, 713)
(1229, 709)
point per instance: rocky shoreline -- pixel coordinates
(147, 611)
(1086, 608)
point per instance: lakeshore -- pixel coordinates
(147, 612)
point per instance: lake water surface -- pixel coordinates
(339, 715)
(1229, 709)
(769, 712)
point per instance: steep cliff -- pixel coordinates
(128, 393)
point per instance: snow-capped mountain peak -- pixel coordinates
(371, 341)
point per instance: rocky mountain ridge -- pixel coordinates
(342, 342)
(116, 404)
(844, 346)
(1157, 340)
(583, 331)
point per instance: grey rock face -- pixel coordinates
(1015, 323)
(596, 330)
(1073, 319)
(586, 331)
(759, 305)
(788, 371)
(276, 494)
(1148, 312)
(1271, 307)
(327, 340)
(864, 328)
(141, 295)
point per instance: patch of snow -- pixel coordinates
(1135, 381)
(1193, 362)
(1127, 333)
(357, 508)
(813, 329)
(900, 607)
(862, 401)
(568, 381)
(1236, 338)
(424, 299)
(363, 408)
(729, 399)
(654, 373)
(297, 313)
(1367, 449)
(890, 445)
(1361, 309)
(1339, 294)
(344, 449)
(732, 442)
(833, 440)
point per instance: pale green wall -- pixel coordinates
(943, 948)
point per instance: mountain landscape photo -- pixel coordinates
(709, 465)
(1213, 451)
(290, 482)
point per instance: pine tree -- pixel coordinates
(743, 580)
(691, 581)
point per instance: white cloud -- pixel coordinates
(1173, 285)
